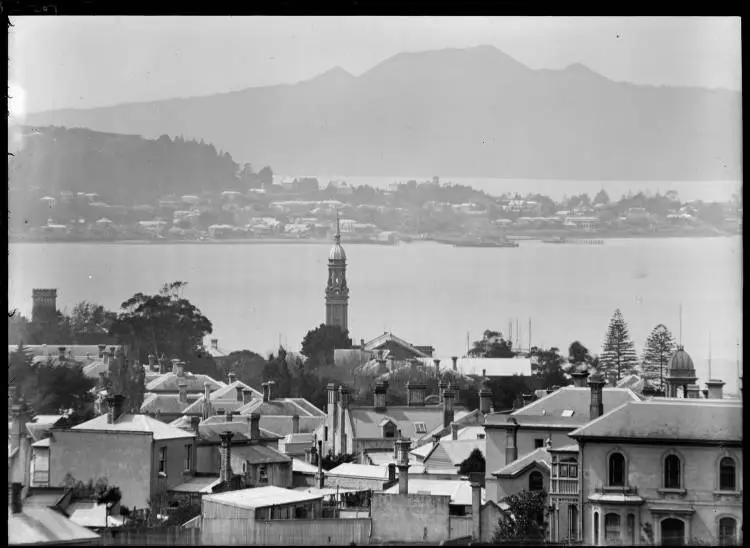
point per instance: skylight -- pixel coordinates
(567, 412)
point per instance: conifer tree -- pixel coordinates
(618, 356)
(659, 347)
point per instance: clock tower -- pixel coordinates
(337, 292)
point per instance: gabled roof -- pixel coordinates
(538, 456)
(261, 497)
(669, 419)
(366, 421)
(458, 490)
(210, 432)
(169, 382)
(38, 525)
(548, 410)
(276, 424)
(218, 407)
(229, 392)
(466, 433)
(135, 423)
(450, 453)
(282, 406)
(166, 403)
(259, 454)
(385, 338)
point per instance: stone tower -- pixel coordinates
(337, 292)
(44, 307)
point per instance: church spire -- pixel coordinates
(338, 230)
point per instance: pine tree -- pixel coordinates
(659, 347)
(618, 356)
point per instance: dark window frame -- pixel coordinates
(727, 474)
(672, 472)
(616, 470)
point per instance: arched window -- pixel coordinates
(727, 474)
(727, 532)
(612, 528)
(617, 470)
(672, 472)
(596, 528)
(536, 481)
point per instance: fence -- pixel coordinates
(150, 536)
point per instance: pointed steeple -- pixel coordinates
(338, 229)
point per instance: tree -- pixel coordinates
(247, 365)
(507, 390)
(165, 323)
(265, 176)
(277, 370)
(618, 357)
(601, 197)
(475, 462)
(548, 364)
(659, 347)
(128, 379)
(331, 461)
(524, 521)
(578, 354)
(90, 319)
(492, 345)
(319, 343)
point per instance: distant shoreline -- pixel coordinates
(274, 241)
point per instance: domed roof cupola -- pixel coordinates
(681, 363)
(337, 252)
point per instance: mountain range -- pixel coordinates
(472, 112)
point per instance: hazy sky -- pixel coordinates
(59, 62)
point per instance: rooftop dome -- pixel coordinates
(337, 253)
(681, 362)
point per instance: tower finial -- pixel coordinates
(338, 230)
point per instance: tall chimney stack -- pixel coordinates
(442, 387)
(102, 349)
(225, 450)
(715, 389)
(206, 400)
(238, 392)
(44, 307)
(391, 473)
(231, 377)
(195, 423)
(182, 387)
(485, 400)
(16, 504)
(343, 408)
(476, 505)
(511, 441)
(579, 378)
(295, 424)
(162, 365)
(596, 384)
(61, 353)
(415, 394)
(448, 413)
(254, 426)
(381, 390)
(455, 363)
(321, 477)
(114, 408)
(403, 466)
(454, 430)
(436, 361)
(247, 396)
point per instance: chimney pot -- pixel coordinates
(596, 384)
(454, 430)
(225, 450)
(448, 412)
(485, 400)
(455, 362)
(114, 408)
(231, 377)
(579, 378)
(16, 502)
(254, 426)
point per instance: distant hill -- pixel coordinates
(122, 169)
(457, 112)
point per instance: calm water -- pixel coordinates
(258, 295)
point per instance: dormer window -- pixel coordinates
(420, 428)
(389, 429)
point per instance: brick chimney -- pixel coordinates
(485, 400)
(182, 387)
(225, 452)
(343, 407)
(381, 389)
(511, 441)
(454, 430)
(579, 378)
(61, 353)
(247, 396)
(238, 391)
(114, 408)
(231, 377)
(596, 384)
(403, 466)
(254, 426)
(102, 349)
(476, 504)
(16, 502)
(295, 424)
(448, 413)
(162, 365)
(321, 475)
(206, 400)
(195, 423)
(436, 361)
(391, 473)
(715, 389)
(415, 394)
(435, 439)
(227, 416)
(455, 362)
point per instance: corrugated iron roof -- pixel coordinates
(38, 525)
(352, 470)
(516, 467)
(262, 497)
(135, 423)
(458, 490)
(258, 454)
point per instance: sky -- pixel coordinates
(83, 62)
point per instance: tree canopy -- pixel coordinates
(475, 462)
(659, 347)
(618, 357)
(319, 343)
(525, 519)
(492, 345)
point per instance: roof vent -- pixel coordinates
(544, 412)
(567, 412)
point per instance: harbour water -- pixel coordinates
(260, 295)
